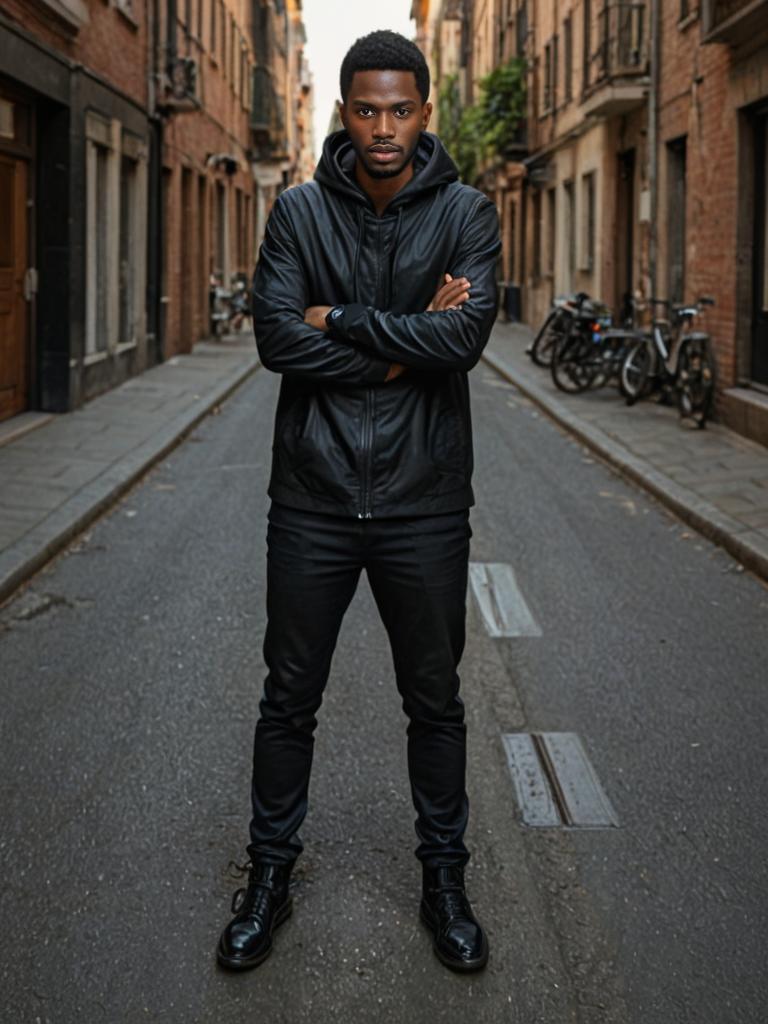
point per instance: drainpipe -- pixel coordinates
(653, 142)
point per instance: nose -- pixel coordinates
(384, 126)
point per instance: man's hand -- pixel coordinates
(450, 295)
(315, 317)
(394, 371)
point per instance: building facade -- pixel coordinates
(142, 143)
(643, 169)
(76, 137)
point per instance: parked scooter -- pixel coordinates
(239, 305)
(219, 298)
(229, 306)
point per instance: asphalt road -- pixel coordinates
(131, 670)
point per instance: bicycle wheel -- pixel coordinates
(635, 372)
(696, 378)
(573, 363)
(546, 340)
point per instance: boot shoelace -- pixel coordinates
(452, 901)
(258, 892)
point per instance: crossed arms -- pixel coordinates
(368, 345)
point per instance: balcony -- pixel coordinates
(620, 62)
(267, 117)
(734, 21)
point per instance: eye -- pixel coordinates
(403, 111)
(364, 111)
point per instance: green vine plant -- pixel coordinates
(479, 134)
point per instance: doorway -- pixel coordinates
(16, 280)
(759, 367)
(625, 224)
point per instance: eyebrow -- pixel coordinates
(399, 103)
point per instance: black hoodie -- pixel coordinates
(345, 441)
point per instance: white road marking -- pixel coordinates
(502, 605)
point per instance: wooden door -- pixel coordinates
(759, 370)
(14, 358)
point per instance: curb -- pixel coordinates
(31, 552)
(715, 525)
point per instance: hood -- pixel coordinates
(432, 167)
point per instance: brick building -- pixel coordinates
(75, 138)
(713, 187)
(142, 143)
(644, 165)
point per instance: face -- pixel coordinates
(384, 115)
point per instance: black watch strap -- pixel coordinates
(333, 315)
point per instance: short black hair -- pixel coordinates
(384, 51)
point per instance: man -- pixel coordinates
(371, 469)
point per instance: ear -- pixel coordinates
(426, 113)
(342, 112)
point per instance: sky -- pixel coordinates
(332, 26)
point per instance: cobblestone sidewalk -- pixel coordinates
(57, 477)
(714, 479)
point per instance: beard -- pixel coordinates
(375, 171)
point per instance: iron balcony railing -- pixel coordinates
(734, 21)
(623, 40)
(267, 111)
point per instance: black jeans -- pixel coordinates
(417, 570)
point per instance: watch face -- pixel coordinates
(336, 312)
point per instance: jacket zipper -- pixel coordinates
(367, 445)
(366, 511)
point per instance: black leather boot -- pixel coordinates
(258, 909)
(460, 942)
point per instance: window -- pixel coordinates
(200, 20)
(588, 221)
(547, 77)
(676, 220)
(98, 262)
(551, 228)
(239, 228)
(570, 232)
(521, 30)
(587, 44)
(232, 52)
(247, 222)
(99, 232)
(555, 72)
(537, 233)
(129, 216)
(221, 237)
(223, 38)
(213, 28)
(568, 58)
(115, 244)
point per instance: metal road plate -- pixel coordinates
(555, 783)
(534, 793)
(577, 788)
(502, 606)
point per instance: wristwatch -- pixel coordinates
(333, 315)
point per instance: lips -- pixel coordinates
(383, 154)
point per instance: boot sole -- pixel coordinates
(454, 963)
(240, 963)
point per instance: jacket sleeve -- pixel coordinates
(285, 342)
(450, 339)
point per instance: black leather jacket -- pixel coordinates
(345, 442)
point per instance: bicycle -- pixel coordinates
(554, 327)
(587, 354)
(677, 362)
